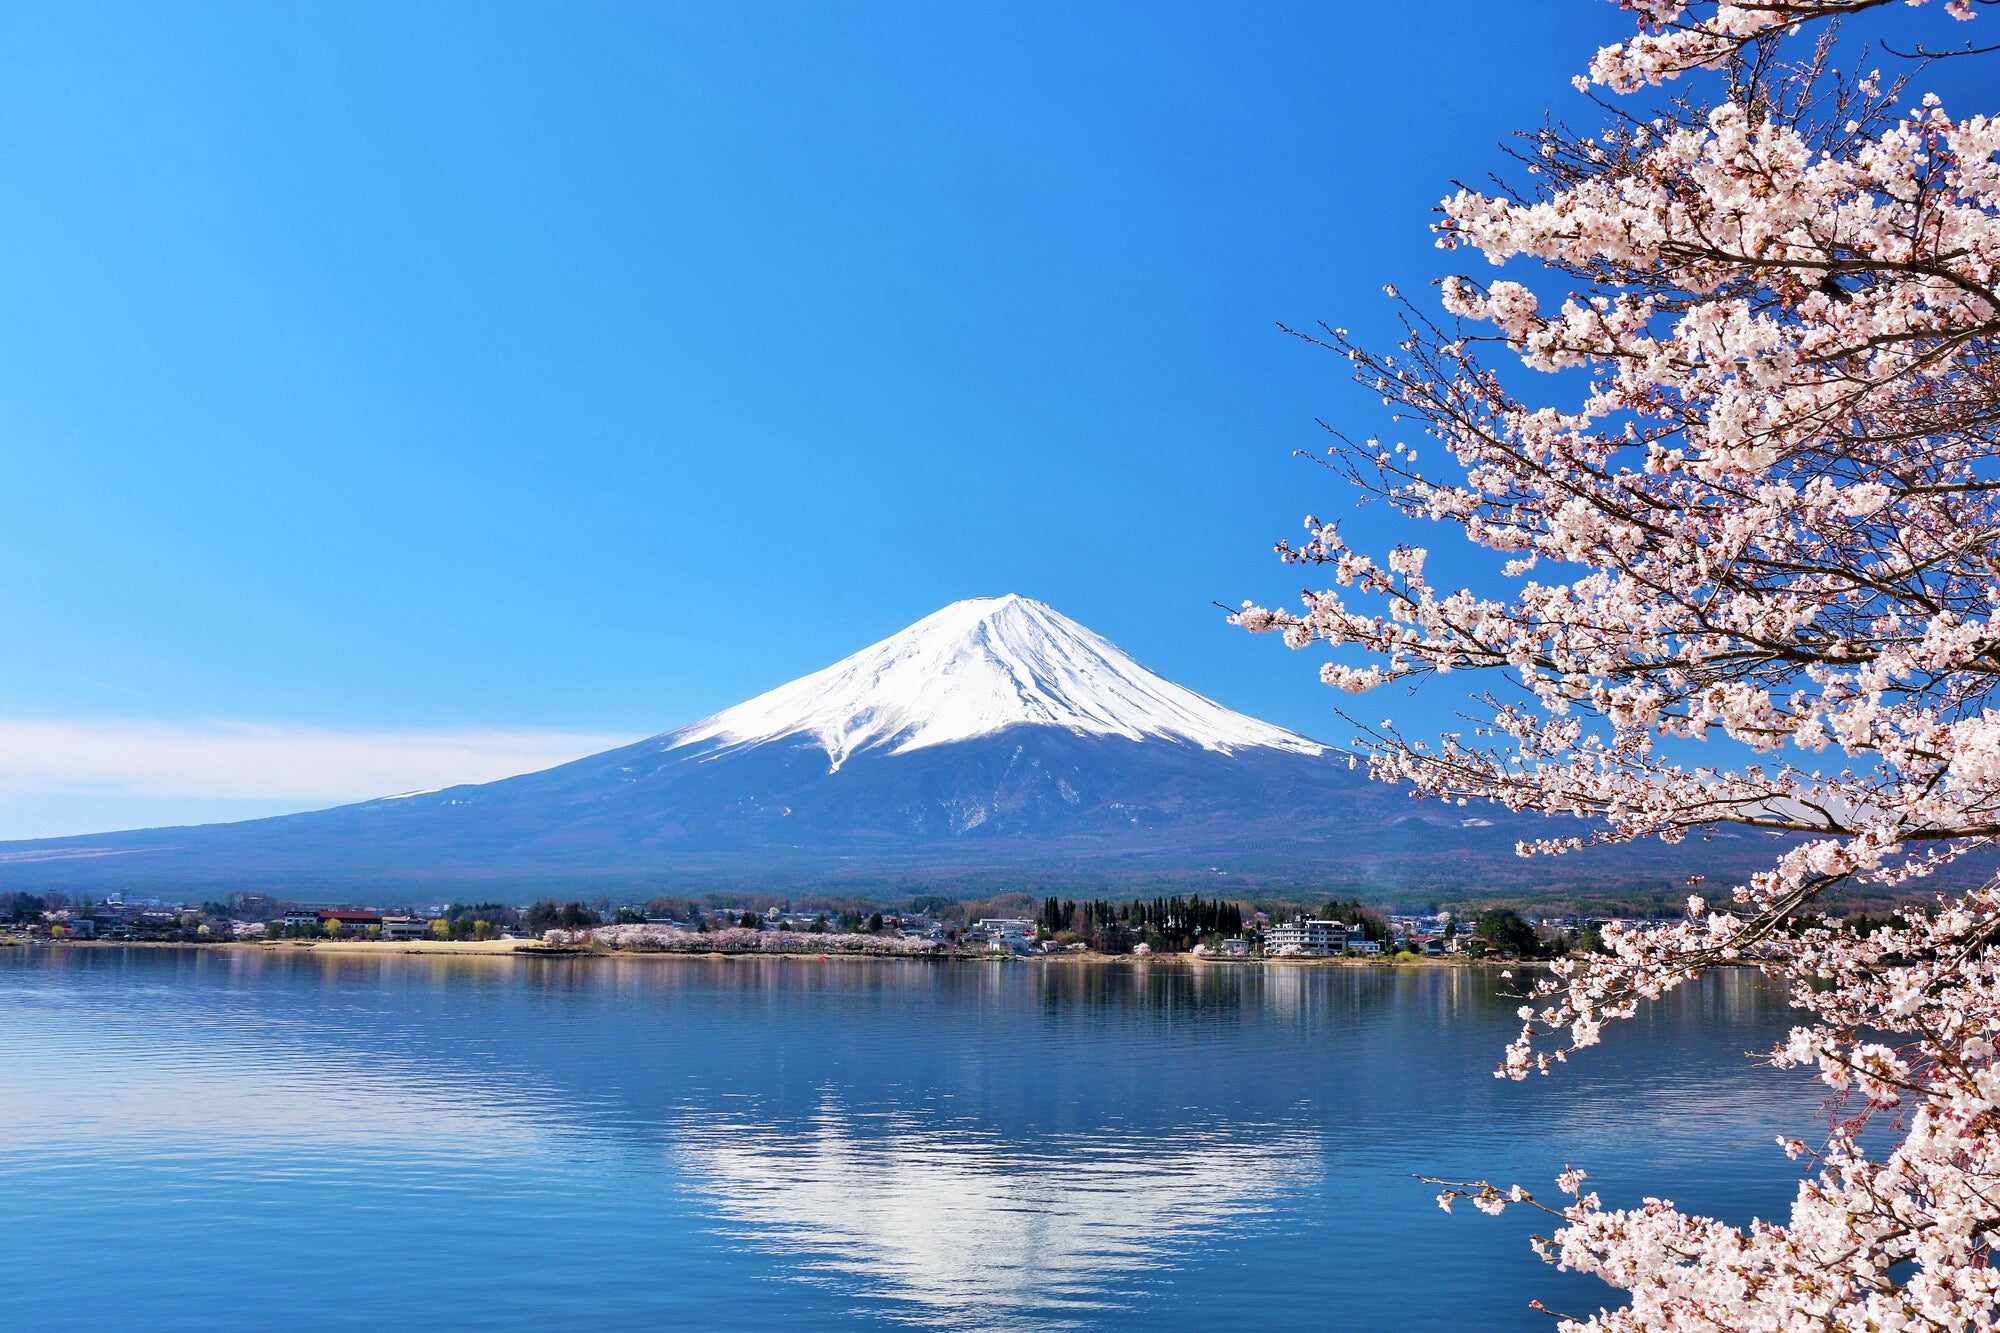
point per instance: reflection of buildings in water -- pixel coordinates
(1482, 994)
(977, 1230)
(1737, 995)
(1291, 991)
(1350, 996)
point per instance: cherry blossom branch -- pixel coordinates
(1763, 501)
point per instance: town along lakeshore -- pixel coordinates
(1218, 929)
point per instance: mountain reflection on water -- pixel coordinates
(734, 1143)
(974, 1230)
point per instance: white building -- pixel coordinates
(1310, 938)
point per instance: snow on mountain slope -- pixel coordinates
(973, 669)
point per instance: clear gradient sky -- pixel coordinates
(399, 394)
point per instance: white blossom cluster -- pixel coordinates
(1677, 37)
(1771, 514)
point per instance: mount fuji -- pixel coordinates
(994, 740)
(973, 670)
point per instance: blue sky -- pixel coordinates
(505, 378)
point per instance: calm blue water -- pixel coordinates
(237, 1140)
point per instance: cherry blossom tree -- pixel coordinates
(735, 939)
(1757, 504)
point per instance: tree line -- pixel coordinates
(1161, 923)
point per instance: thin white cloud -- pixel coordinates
(245, 761)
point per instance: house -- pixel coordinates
(346, 921)
(299, 917)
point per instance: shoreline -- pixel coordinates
(534, 949)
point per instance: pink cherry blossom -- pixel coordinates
(738, 939)
(1768, 515)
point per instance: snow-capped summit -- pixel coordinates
(975, 668)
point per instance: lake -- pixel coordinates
(240, 1139)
